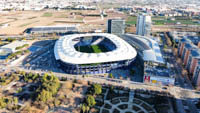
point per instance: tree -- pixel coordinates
(24, 38)
(44, 96)
(49, 88)
(165, 46)
(15, 100)
(90, 101)
(35, 76)
(110, 75)
(96, 89)
(2, 103)
(83, 107)
(56, 102)
(26, 51)
(132, 72)
(10, 39)
(87, 108)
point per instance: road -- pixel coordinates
(172, 90)
(181, 81)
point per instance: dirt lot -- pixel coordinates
(18, 21)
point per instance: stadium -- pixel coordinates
(93, 53)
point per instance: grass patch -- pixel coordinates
(131, 20)
(47, 14)
(91, 49)
(157, 20)
(79, 18)
(61, 16)
(97, 49)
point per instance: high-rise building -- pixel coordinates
(143, 25)
(116, 26)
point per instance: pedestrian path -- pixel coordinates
(131, 96)
(126, 105)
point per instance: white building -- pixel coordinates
(12, 46)
(143, 25)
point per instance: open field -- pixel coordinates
(47, 14)
(131, 20)
(165, 21)
(16, 22)
(159, 20)
(19, 21)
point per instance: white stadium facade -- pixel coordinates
(93, 53)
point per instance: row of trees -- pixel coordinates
(13, 55)
(30, 77)
(169, 42)
(20, 47)
(10, 39)
(89, 101)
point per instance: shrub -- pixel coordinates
(110, 75)
(56, 102)
(45, 96)
(10, 39)
(90, 101)
(96, 89)
(5, 101)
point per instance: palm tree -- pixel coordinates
(83, 108)
(87, 109)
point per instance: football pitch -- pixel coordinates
(92, 49)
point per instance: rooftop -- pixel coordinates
(195, 53)
(158, 71)
(12, 46)
(193, 39)
(5, 51)
(150, 48)
(52, 28)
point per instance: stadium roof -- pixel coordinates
(151, 49)
(64, 50)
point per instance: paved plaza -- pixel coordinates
(125, 105)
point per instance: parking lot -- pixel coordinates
(42, 59)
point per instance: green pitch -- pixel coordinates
(92, 49)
